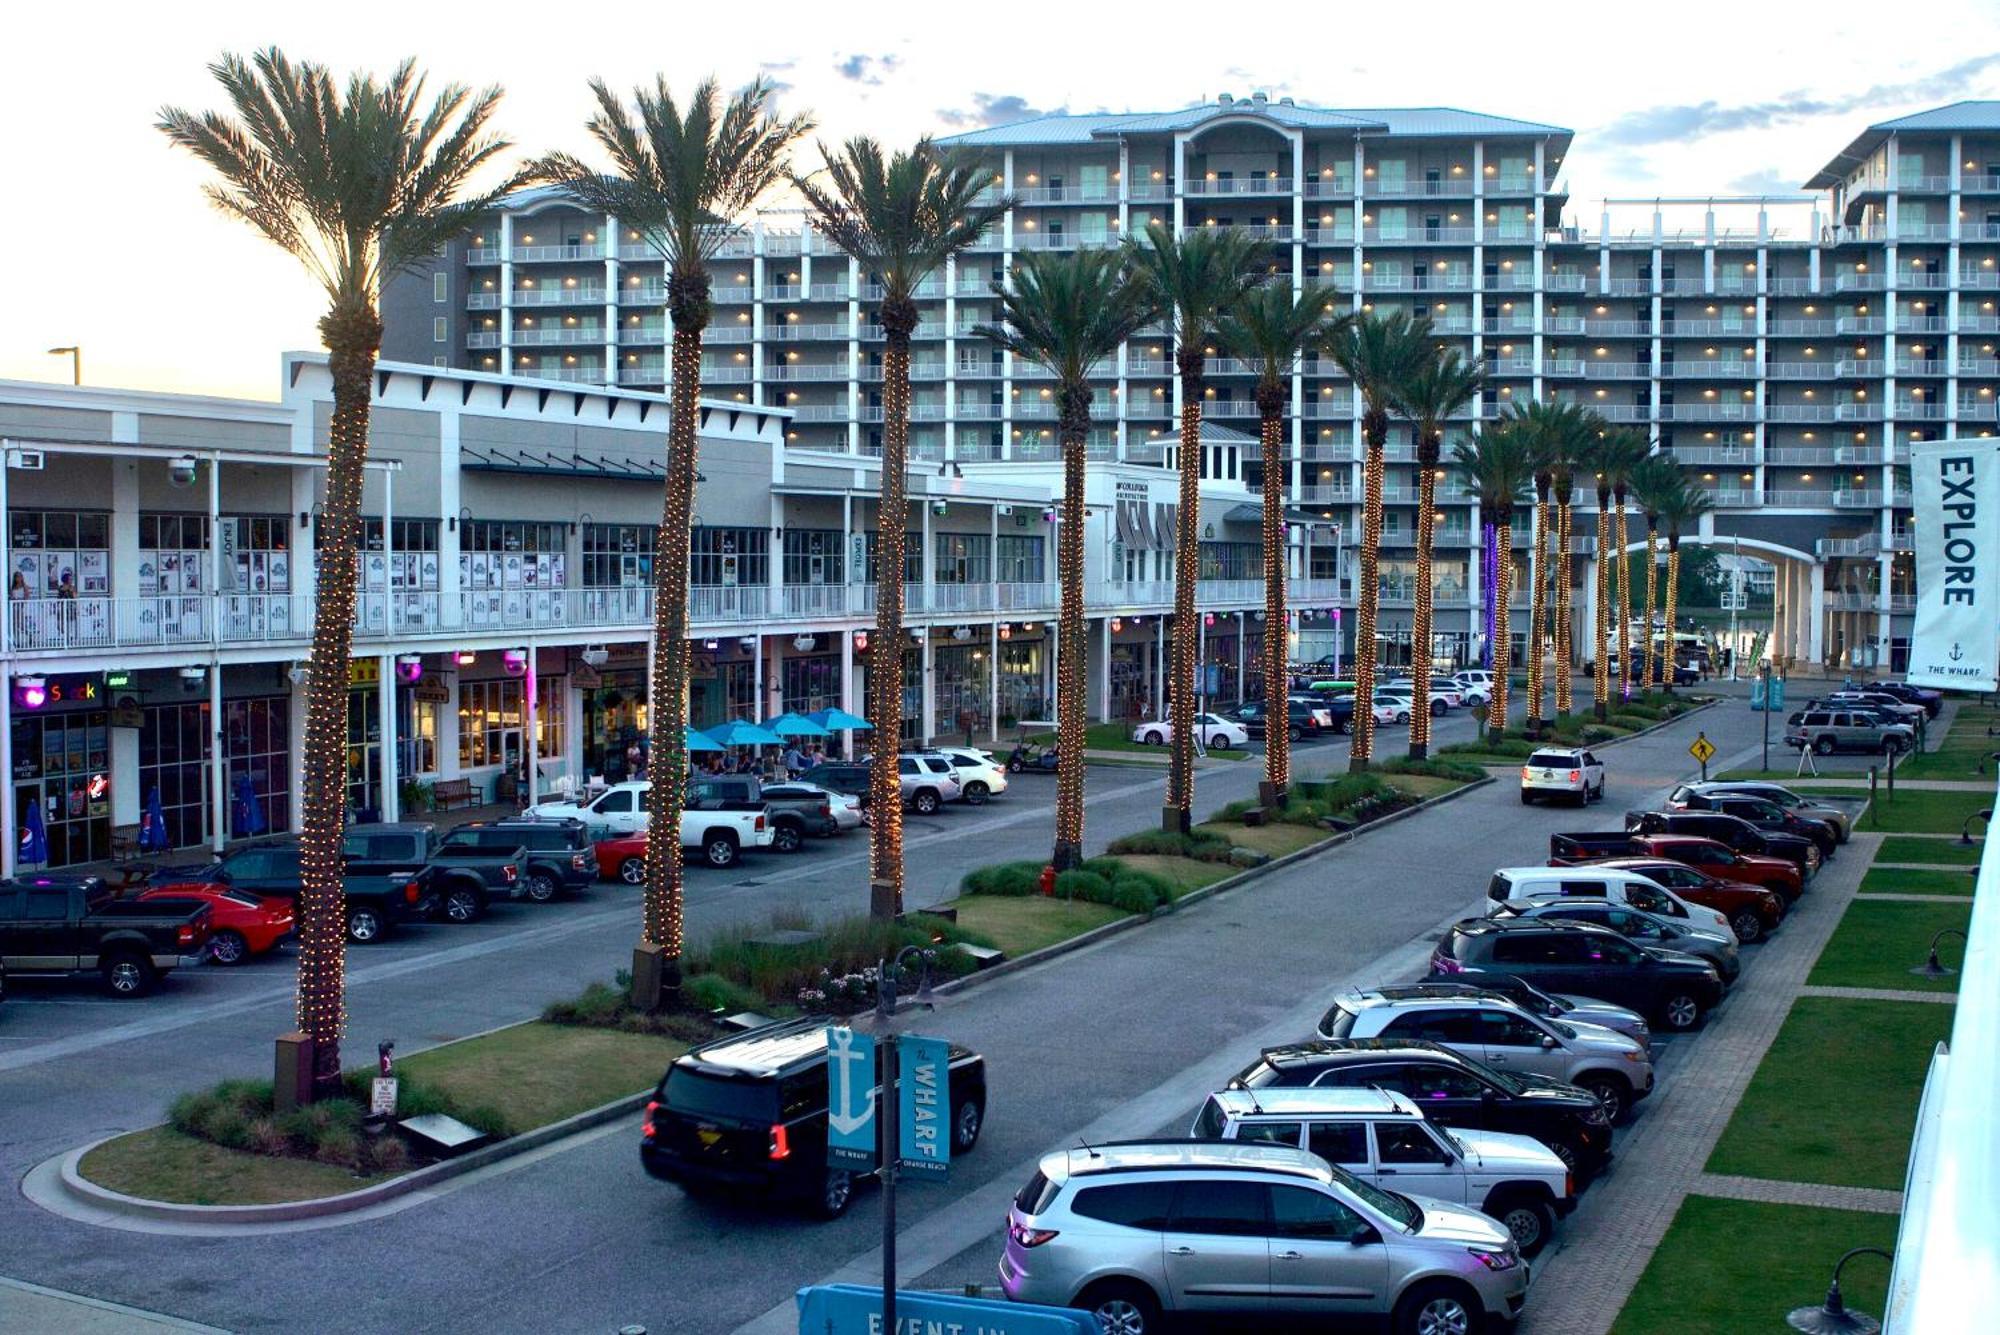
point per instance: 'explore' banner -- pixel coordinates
(1955, 493)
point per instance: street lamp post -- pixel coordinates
(75, 354)
(1833, 1317)
(885, 1014)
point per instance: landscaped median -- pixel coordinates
(1579, 727)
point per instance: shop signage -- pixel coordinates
(585, 677)
(432, 690)
(1955, 487)
(1143, 522)
(855, 1309)
(850, 1120)
(75, 688)
(363, 671)
(922, 1147)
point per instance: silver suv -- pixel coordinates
(1610, 1065)
(1830, 730)
(1382, 1137)
(1130, 1231)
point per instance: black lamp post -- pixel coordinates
(1832, 1317)
(885, 1011)
(1965, 827)
(1931, 968)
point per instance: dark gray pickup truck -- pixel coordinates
(78, 925)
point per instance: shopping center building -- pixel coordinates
(160, 552)
(1787, 349)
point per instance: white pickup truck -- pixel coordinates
(619, 815)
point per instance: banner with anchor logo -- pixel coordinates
(1955, 495)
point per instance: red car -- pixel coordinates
(1779, 875)
(622, 858)
(243, 925)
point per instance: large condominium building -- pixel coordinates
(1786, 349)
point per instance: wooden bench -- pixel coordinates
(449, 793)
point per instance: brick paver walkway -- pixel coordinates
(1579, 1290)
(1873, 1199)
(1878, 994)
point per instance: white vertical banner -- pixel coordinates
(1955, 494)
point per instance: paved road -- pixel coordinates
(1119, 1040)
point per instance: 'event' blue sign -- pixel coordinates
(923, 1136)
(851, 1309)
(850, 1082)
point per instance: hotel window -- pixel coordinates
(440, 287)
(54, 548)
(619, 555)
(440, 330)
(1094, 182)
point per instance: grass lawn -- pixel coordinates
(1704, 1278)
(1118, 737)
(1422, 785)
(161, 1164)
(1275, 839)
(1901, 881)
(1914, 811)
(1877, 943)
(1963, 750)
(1898, 848)
(539, 1073)
(1186, 873)
(1800, 1119)
(1018, 924)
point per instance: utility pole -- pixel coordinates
(1735, 602)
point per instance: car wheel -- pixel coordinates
(1122, 1308)
(1218, 742)
(1681, 1011)
(1402, 716)
(925, 803)
(461, 904)
(1438, 708)
(127, 975)
(1611, 1093)
(228, 948)
(1295, 733)
(1892, 746)
(1824, 746)
(1015, 767)
(719, 851)
(836, 1190)
(542, 887)
(1747, 926)
(364, 926)
(787, 838)
(632, 871)
(966, 1120)
(1531, 1222)
(1153, 737)
(1565, 1151)
(1437, 1309)
(976, 793)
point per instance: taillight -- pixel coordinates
(1575, 775)
(410, 893)
(1569, 1186)
(1024, 1236)
(781, 1145)
(185, 934)
(1526, 774)
(760, 823)
(510, 872)
(825, 809)
(646, 1128)
(578, 861)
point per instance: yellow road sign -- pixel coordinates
(1702, 749)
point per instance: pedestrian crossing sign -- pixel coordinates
(1702, 750)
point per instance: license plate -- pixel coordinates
(709, 1136)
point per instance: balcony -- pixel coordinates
(1742, 455)
(1860, 324)
(1445, 187)
(563, 335)
(643, 373)
(573, 375)
(482, 255)
(1709, 412)
(531, 254)
(1858, 498)
(1799, 498)
(1239, 185)
(1799, 412)
(558, 296)
(1857, 412)
(1066, 194)
(1711, 370)
(1814, 370)
(1417, 236)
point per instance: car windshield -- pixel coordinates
(243, 897)
(1560, 1028)
(1399, 1208)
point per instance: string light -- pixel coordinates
(1624, 598)
(1503, 647)
(1652, 676)
(1277, 727)
(1187, 569)
(1075, 430)
(1601, 681)
(1429, 439)
(1375, 434)
(1539, 602)
(885, 666)
(1564, 483)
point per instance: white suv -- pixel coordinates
(1562, 772)
(1382, 1137)
(980, 776)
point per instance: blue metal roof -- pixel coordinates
(1952, 118)
(1408, 122)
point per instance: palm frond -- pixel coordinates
(1198, 277)
(901, 215)
(1066, 312)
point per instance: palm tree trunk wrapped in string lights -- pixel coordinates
(1538, 608)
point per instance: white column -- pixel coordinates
(385, 706)
(1816, 610)
(1242, 632)
(1104, 669)
(993, 682)
(8, 843)
(218, 760)
(531, 727)
(926, 698)
(757, 676)
(847, 671)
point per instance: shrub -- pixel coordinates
(1635, 722)
(1084, 885)
(597, 1007)
(1594, 733)
(1003, 878)
(1437, 767)
(1234, 811)
(1134, 894)
(713, 992)
(1201, 846)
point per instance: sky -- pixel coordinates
(109, 243)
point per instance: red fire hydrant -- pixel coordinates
(1049, 880)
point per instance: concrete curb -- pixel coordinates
(1248, 874)
(102, 1198)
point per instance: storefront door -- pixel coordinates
(63, 763)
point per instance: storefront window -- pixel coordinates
(1231, 560)
(963, 558)
(416, 736)
(489, 723)
(61, 553)
(364, 751)
(812, 556)
(550, 697)
(811, 683)
(913, 556)
(618, 555)
(959, 671)
(1022, 694)
(1020, 560)
(727, 557)
(614, 719)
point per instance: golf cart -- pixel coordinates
(1032, 757)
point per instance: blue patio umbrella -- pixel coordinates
(794, 725)
(153, 824)
(34, 835)
(246, 812)
(700, 741)
(742, 732)
(839, 720)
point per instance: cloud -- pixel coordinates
(996, 109)
(1766, 181)
(870, 70)
(1666, 124)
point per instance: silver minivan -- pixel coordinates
(1132, 1231)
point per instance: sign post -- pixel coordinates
(1703, 750)
(1764, 681)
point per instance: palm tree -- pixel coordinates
(1273, 326)
(1198, 277)
(1377, 353)
(1439, 386)
(1654, 483)
(358, 183)
(1684, 510)
(1499, 464)
(1621, 484)
(1572, 443)
(1548, 426)
(679, 179)
(1069, 313)
(901, 217)
(1611, 459)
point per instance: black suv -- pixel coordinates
(1451, 1088)
(1767, 816)
(559, 861)
(841, 776)
(1731, 832)
(1667, 988)
(748, 1113)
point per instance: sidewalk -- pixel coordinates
(30, 1309)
